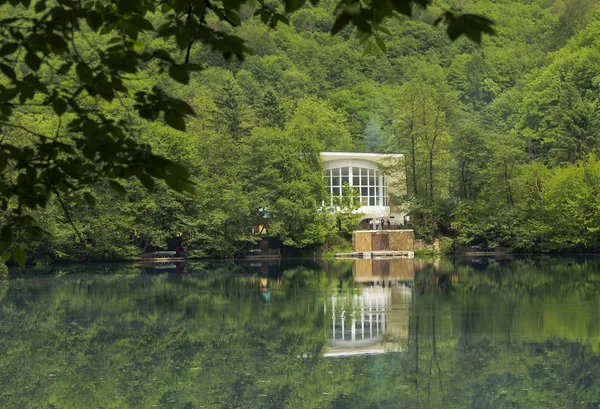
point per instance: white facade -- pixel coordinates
(362, 171)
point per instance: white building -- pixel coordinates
(364, 171)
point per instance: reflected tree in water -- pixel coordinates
(520, 333)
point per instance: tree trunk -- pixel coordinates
(507, 175)
(413, 148)
(431, 154)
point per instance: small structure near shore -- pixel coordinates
(381, 243)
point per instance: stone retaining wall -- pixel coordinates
(397, 240)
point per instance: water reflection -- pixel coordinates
(159, 267)
(372, 318)
(448, 333)
(369, 321)
(384, 272)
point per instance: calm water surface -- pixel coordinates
(455, 333)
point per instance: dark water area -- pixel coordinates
(449, 333)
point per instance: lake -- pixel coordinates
(449, 333)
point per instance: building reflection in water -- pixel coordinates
(161, 267)
(373, 317)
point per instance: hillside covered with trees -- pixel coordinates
(501, 139)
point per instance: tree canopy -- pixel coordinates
(500, 139)
(75, 93)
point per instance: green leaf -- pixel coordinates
(368, 48)
(179, 184)
(3, 160)
(8, 48)
(63, 69)
(182, 106)
(142, 23)
(454, 30)
(19, 256)
(40, 6)
(193, 67)
(5, 256)
(139, 45)
(403, 6)
(167, 30)
(163, 55)
(33, 61)
(117, 187)
(265, 15)
(175, 120)
(233, 17)
(94, 20)
(179, 73)
(381, 44)
(293, 5)
(84, 73)
(59, 106)
(8, 71)
(471, 25)
(384, 30)
(5, 237)
(183, 37)
(9, 94)
(341, 22)
(362, 37)
(147, 181)
(282, 18)
(89, 199)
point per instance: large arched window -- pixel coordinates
(371, 186)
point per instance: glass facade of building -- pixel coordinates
(371, 186)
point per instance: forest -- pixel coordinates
(501, 139)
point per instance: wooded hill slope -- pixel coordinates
(500, 139)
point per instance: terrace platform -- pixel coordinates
(376, 254)
(372, 244)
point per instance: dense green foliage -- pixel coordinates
(500, 138)
(82, 81)
(502, 141)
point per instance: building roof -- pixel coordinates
(374, 157)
